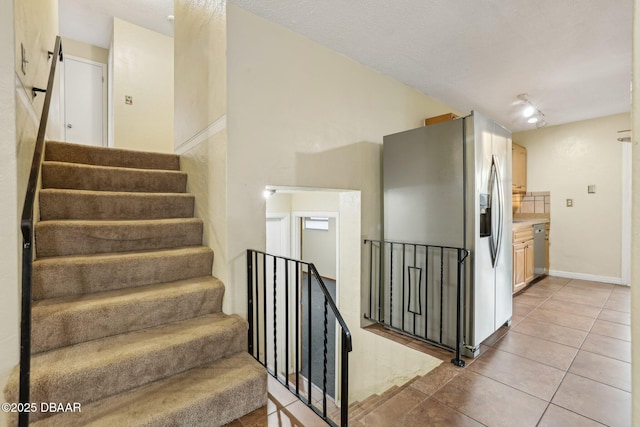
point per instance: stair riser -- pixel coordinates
(64, 238)
(135, 370)
(54, 328)
(76, 153)
(74, 276)
(60, 204)
(80, 177)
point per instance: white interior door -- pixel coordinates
(84, 101)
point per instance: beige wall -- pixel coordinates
(200, 115)
(143, 69)
(9, 330)
(86, 51)
(302, 115)
(34, 24)
(635, 258)
(586, 238)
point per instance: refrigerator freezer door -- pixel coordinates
(423, 185)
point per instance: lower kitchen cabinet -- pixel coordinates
(522, 258)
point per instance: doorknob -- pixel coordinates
(69, 126)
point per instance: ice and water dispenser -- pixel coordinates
(485, 215)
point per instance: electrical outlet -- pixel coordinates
(591, 189)
(23, 59)
(128, 99)
(569, 203)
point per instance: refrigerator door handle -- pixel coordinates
(496, 238)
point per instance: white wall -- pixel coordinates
(143, 69)
(635, 259)
(585, 240)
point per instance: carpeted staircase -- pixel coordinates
(127, 318)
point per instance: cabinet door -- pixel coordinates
(519, 261)
(528, 261)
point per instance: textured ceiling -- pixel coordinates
(573, 57)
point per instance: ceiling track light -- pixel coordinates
(530, 112)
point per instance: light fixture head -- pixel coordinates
(532, 120)
(528, 111)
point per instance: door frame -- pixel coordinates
(61, 98)
(296, 249)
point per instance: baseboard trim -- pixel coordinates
(589, 277)
(200, 137)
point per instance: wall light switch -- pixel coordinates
(569, 203)
(128, 99)
(591, 189)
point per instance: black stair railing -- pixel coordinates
(417, 289)
(26, 225)
(280, 305)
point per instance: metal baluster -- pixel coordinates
(286, 321)
(297, 330)
(370, 278)
(309, 329)
(458, 359)
(391, 285)
(324, 373)
(264, 307)
(250, 301)
(380, 281)
(344, 381)
(426, 292)
(415, 250)
(275, 316)
(257, 304)
(441, 289)
(404, 253)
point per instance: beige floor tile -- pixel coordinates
(563, 319)
(434, 414)
(520, 373)
(582, 296)
(606, 370)
(607, 346)
(532, 300)
(618, 305)
(572, 308)
(438, 377)
(586, 284)
(490, 402)
(394, 409)
(615, 316)
(555, 416)
(551, 332)
(605, 404)
(537, 349)
(610, 329)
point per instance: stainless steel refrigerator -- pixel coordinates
(449, 184)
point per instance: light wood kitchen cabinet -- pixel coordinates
(522, 258)
(519, 168)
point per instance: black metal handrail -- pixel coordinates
(273, 284)
(417, 280)
(26, 225)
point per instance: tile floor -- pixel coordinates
(565, 361)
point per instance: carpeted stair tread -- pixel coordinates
(84, 204)
(73, 237)
(97, 369)
(80, 274)
(209, 396)
(109, 178)
(92, 155)
(66, 321)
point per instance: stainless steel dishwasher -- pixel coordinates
(539, 251)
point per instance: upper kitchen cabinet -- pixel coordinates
(519, 168)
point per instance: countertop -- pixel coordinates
(520, 223)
